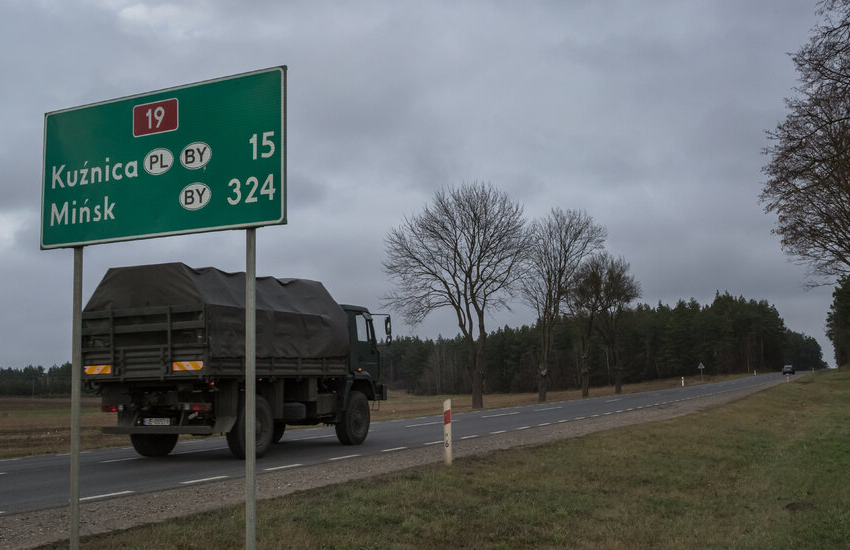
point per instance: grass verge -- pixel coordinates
(769, 471)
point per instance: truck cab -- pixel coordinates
(365, 359)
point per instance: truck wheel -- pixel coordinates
(153, 444)
(264, 429)
(279, 428)
(354, 426)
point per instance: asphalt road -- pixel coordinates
(42, 482)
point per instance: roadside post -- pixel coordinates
(202, 157)
(683, 381)
(447, 431)
(701, 368)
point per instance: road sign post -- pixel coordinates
(202, 157)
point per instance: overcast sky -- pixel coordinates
(649, 115)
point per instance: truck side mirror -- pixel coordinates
(388, 328)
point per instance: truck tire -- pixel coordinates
(264, 429)
(354, 426)
(153, 444)
(279, 428)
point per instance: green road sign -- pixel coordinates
(201, 157)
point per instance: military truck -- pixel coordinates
(164, 346)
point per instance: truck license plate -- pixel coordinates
(156, 421)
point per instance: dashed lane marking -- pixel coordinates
(284, 467)
(107, 495)
(500, 414)
(342, 457)
(393, 449)
(193, 481)
(311, 437)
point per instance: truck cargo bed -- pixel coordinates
(170, 321)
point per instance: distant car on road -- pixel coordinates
(788, 369)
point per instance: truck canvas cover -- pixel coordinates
(296, 318)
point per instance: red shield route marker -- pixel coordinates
(155, 118)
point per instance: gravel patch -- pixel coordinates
(31, 529)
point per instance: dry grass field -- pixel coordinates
(42, 425)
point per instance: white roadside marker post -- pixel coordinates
(447, 430)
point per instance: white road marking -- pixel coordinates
(614, 400)
(498, 432)
(311, 437)
(282, 467)
(433, 442)
(199, 451)
(469, 437)
(500, 414)
(393, 449)
(523, 428)
(107, 495)
(544, 424)
(342, 457)
(548, 409)
(425, 424)
(191, 481)
(119, 460)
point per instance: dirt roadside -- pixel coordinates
(28, 530)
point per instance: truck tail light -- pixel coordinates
(111, 408)
(197, 407)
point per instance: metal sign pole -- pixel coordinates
(76, 377)
(250, 389)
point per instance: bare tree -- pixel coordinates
(585, 303)
(619, 289)
(808, 184)
(558, 244)
(464, 251)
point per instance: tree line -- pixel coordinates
(472, 251)
(36, 381)
(729, 336)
